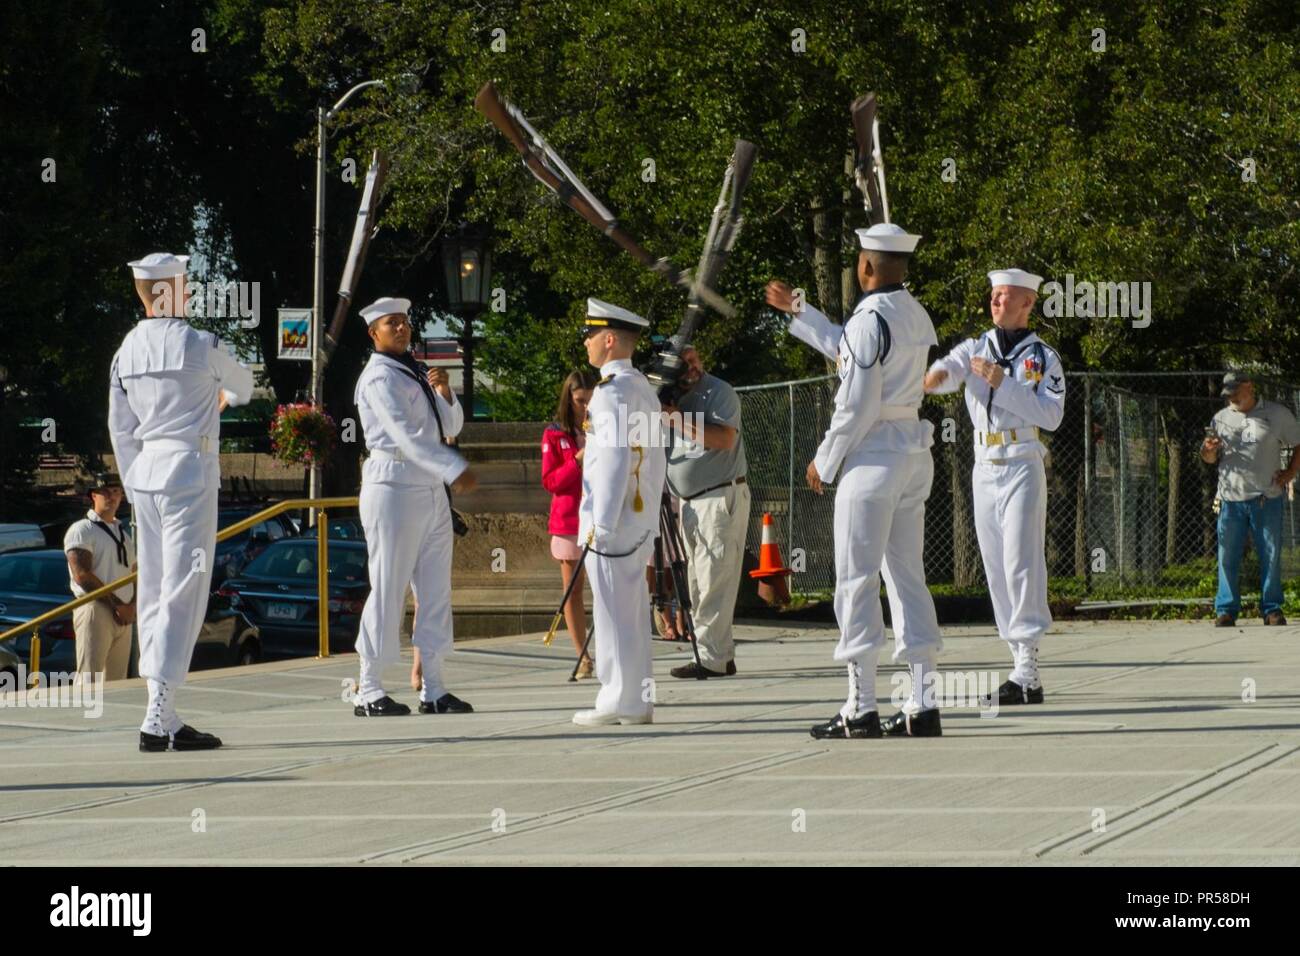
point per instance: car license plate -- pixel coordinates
(282, 612)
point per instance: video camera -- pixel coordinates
(665, 369)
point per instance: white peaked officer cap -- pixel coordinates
(603, 315)
(1016, 277)
(385, 306)
(886, 237)
(159, 265)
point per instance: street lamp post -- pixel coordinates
(467, 268)
(323, 117)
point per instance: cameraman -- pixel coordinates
(706, 471)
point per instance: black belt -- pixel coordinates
(725, 484)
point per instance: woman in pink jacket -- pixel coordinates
(562, 449)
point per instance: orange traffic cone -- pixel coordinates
(770, 574)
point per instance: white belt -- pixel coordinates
(894, 413)
(1012, 436)
(201, 445)
(381, 455)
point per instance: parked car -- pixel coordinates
(277, 591)
(234, 553)
(341, 529)
(33, 582)
(18, 537)
(9, 662)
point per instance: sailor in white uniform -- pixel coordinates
(879, 448)
(1014, 388)
(168, 384)
(406, 513)
(622, 483)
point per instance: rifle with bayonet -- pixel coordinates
(869, 163)
(724, 229)
(364, 230)
(550, 170)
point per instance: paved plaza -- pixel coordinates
(1159, 743)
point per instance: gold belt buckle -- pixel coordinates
(994, 439)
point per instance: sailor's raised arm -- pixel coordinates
(949, 373)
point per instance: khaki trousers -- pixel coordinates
(713, 533)
(103, 645)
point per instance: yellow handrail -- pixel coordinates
(322, 573)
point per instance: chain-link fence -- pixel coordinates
(1130, 508)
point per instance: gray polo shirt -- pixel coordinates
(692, 468)
(1252, 449)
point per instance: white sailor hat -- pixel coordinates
(385, 306)
(159, 265)
(1016, 277)
(887, 237)
(603, 315)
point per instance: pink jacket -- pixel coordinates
(562, 477)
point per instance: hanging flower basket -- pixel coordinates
(301, 434)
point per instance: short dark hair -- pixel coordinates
(888, 263)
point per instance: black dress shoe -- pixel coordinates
(731, 668)
(187, 738)
(868, 725)
(699, 672)
(446, 704)
(924, 724)
(1011, 693)
(384, 707)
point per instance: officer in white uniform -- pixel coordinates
(406, 513)
(622, 485)
(1014, 387)
(168, 383)
(880, 448)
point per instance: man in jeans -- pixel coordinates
(1246, 440)
(706, 470)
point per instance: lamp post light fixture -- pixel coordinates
(406, 83)
(467, 269)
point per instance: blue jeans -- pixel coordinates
(1264, 522)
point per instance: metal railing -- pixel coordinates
(321, 506)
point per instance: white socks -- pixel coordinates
(161, 718)
(1025, 673)
(862, 686)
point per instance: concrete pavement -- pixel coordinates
(1145, 753)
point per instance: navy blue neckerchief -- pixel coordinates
(1001, 337)
(412, 369)
(119, 542)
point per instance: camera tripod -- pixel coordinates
(670, 560)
